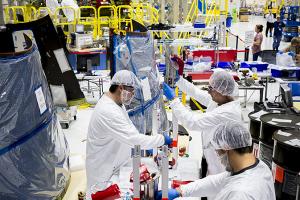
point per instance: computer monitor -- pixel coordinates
(286, 94)
(79, 28)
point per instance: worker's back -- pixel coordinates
(254, 182)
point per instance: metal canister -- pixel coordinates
(270, 123)
(286, 165)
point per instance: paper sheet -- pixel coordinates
(41, 100)
(284, 133)
(293, 142)
(273, 123)
(146, 89)
(62, 60)
(258, 114)
(281, 120)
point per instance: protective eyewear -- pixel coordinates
(129, 88)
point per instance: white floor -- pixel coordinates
(77, 132)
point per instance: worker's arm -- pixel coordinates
(257, 42)
(238, 195)
(190, 89)
(123, 130)
(192, 120)
(208, 186)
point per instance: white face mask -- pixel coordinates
(225, 161)
(126, 97)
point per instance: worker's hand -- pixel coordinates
(168, 92)
(168, 139)
(291, 54)
(172, 194)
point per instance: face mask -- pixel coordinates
(225, 161)
(126, 97)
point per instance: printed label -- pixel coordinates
(41, 100)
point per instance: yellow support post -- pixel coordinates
(176, 91)
(183, 98)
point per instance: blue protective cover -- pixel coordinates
(34, 154)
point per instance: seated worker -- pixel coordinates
(246, 178)
(221, 107)
(112, 135)
(294, 48)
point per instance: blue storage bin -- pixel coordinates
(260, 67)
(245, 65)
(199, 25)
(161, 67)
(224, 65)
(295, 87)
(285, 73)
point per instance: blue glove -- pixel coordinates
(291, 54)
(168, 92)
(168, 140)
(172, 194)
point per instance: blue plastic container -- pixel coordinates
(285, 73)
(161, 67)
(259, 66)
(224, 65)
(245, 65)
(199, 25)
(295, 87)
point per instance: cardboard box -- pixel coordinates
(244, 18)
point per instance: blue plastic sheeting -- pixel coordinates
(136, 53)
(34, 154)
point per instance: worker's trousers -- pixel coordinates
(269, 28)
(276, 42)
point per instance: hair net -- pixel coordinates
(231, 135)
(222, 82)
(125, 77)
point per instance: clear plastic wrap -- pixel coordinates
(141, 61)
(34, 154)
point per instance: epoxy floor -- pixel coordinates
(76, 134)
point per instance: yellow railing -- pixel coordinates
(125, 16)
(105, 20)
(191, 17)
(12, 12)
(89, 21)
(67, 25)
(42, 11)
(106, 16)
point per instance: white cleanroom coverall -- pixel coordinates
(252, 183)
(111, 136)
(205, 123)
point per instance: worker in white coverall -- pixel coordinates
(221, 107)
(246, 177)
(112, 135)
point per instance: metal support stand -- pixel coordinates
(175, 139)
(136, 172)
(165, 173)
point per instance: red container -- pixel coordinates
(111, 193)
(200, 75)
(224, 55)
(177, 183)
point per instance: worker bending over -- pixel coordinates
(112, 135)
(294, 48)
(221, 107)
(246, 177)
